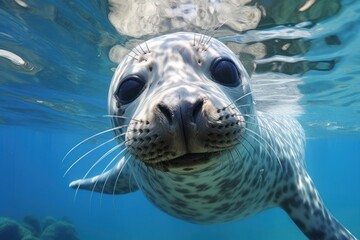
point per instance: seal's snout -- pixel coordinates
(181, 115)
(166, 112)
(184, 114)
(183, 128)
(196, 110)
(186, 111)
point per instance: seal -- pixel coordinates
(183, 112)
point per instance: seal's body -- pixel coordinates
(195, 144)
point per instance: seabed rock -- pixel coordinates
(59, 231)
(32, 229)
(33, 224)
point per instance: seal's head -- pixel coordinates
(183, 99)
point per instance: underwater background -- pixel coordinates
(55, 71)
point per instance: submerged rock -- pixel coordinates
(30, 238)
(9, 229)
(31, 229)
(48, 221)
(60, 231)
(33, 224)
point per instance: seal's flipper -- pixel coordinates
(309, 213)
(118, 180)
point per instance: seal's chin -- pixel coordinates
(186, 162)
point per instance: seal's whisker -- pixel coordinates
(261, 143)
(147, 47)
(103, 171)
(129, 182)
(232, 159)
(126, 152)
(248, 122)
(238, 153)
(107, 166)
(263, 127)
(271, 115)
(228, 159)
(238, 99)
(245, 95)
(201, 38)
(216, 28)
(91, 137)
(264, 141)
(156, 176)
(132, 50)
(197, 42)
(151, 182)
(115, 116)
(102, 158)
(137, 50)
(250, 116)
(219, 25)
(137, 59)
(118, 176)
(208, 40)
(99, 160)
(206, 44)
(132, 170)
(92, 150)
(246, 149)
(141, 49)
(204, 35)
(123, 117)
(243, 105)
(152, 172)
(254, 116)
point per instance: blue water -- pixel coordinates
(58, 96)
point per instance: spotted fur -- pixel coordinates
(250, 161)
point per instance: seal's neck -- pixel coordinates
(309, 213)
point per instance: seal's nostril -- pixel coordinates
(164, 109)
(197, 109)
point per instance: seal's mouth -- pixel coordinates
(187, 161)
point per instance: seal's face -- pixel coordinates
(183, 100)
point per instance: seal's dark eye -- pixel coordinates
(129, 89)
(225, 72)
